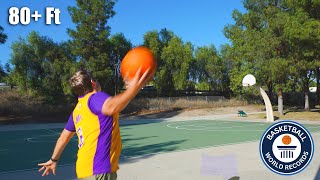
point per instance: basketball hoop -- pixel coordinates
(248, 80)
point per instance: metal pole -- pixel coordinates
(267, 102)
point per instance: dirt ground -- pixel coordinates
(193, 112)
(17, 119)
(313, 115)
(289, 114)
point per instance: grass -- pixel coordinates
(16, 106)
(165, 104)
(313, 115)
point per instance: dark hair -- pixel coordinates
(80, 82)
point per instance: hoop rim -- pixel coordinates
(246, 85)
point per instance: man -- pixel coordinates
(95, 121)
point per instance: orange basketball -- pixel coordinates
(286, 139)
(136, 58)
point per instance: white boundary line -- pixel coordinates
(189, 149)
(198, 148)
(54, 134)
(188, 118)
(227, 128)
(213, 122)
(57, 133)
(241, 130)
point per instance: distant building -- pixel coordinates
(313, 89)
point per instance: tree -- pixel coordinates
(260, 46)
(157, 41)
(225, 51)
(177, 57)
(318, 86)
(90, 39)
(151, 39)
(120, 46)
(3, 36)
(303, 34)
(3, 74)
(165, 36)
(41, 67)
(209, 68)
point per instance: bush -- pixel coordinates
(15, 103)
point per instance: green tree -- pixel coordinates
(209, 68)
(59, 66)
(3, 37)
(90, 38)
(41, 67)
(25, 65)
(151, 39)
(225, 56)
(303, 34)
(157, 41)
(3, 74)
(318, 85)
(259, 45)
(177, 57)
(120, 46)
(165, 36)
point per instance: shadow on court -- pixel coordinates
(126, 138)
(143, 152)
(135, 148)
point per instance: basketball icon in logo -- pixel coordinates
(286, 139)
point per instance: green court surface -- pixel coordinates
(24, 149)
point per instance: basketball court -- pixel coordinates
(207, 147)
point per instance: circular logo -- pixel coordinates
(286, 148)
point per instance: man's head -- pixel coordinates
(82, 83)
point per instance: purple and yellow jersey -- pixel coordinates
(98, 135)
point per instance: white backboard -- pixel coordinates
(248, 80)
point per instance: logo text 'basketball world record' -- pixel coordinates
(286, 148)
(286, 128)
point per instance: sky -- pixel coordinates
(200, 22)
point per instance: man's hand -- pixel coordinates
(116, 104)
(48, 167)
(138, 82)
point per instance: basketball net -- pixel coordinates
(246, 86)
